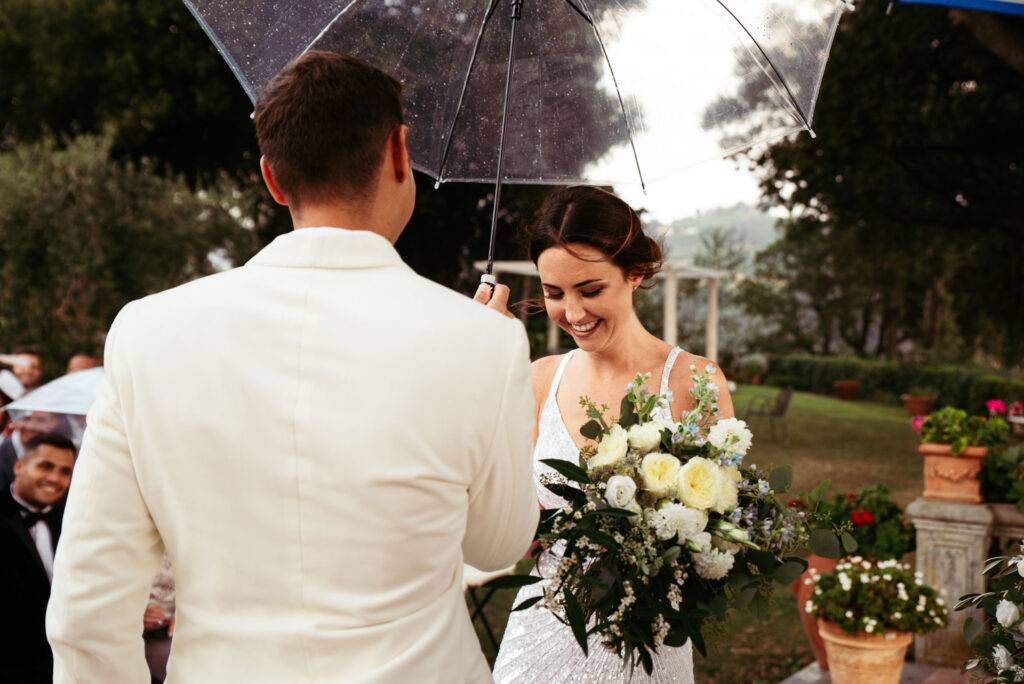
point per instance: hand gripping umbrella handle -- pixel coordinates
(489, 279)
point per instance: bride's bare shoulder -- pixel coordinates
(543, 371)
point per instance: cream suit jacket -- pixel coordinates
(320, 439)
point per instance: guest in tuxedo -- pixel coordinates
(13, 447)
(29, 528)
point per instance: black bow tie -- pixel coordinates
(32, 517)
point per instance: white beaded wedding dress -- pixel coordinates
(537, 648)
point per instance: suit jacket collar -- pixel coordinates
(328, 248)
(10, 515)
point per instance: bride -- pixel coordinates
(592, 255)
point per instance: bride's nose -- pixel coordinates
(574, 311)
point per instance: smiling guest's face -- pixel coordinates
(43, 476)
(586, 294)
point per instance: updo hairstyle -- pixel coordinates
(587, 215)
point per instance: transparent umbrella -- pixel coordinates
(558, 91)
(60, 405)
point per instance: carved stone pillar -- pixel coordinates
(952, 545)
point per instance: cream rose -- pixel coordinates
(619, 491)
(611, 449)
(729, 492)
(658, 472)
(699, 483)
(645, 437)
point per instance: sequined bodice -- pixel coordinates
(554, 440)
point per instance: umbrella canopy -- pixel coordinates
(70, 394)
(602, 91)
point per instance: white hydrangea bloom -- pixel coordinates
(674, 519)
(732, 435)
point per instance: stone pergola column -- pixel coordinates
(711, 329)
(952, 545)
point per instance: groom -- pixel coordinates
(319, 439)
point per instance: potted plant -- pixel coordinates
(846, 390)
(954, 445)
(752, 368)
(868, 613)
(870, 523)
(920, 401)
(997, 640)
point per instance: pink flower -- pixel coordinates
(1016, 409)
(995, 406)
(916, 422)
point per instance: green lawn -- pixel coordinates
(852, 444)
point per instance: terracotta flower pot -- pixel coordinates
(846, 390)
(864, 658)
(803, 592)
(918, 404)
(952, 478)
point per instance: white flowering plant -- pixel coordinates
(872, 597)
(998, 639)
(663, 526)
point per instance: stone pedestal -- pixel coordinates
(952, 545)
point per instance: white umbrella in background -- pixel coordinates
(70, 396)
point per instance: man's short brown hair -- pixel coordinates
(322, 124)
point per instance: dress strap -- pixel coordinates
(558, 375)
(668, 369)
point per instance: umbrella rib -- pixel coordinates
(580, 12)
(618, 93)
(789, 93)
(462, 93)
(328, 27)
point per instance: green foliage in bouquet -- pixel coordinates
(663, 527)
(866, 596)
(872, 524)
(998, 639)
(954, 427)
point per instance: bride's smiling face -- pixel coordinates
(586, 294)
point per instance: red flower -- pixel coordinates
(850, 496)
(862, 518)
(797, 503)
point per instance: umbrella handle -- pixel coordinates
(489, 279)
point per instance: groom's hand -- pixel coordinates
(497, 301)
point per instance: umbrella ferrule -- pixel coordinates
(517, 9)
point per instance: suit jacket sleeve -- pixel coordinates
(109, 549)
(503, 508)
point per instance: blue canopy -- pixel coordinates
(1004, 6)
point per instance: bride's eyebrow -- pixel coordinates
(582, 284)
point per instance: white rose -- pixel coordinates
(645, 437)
(611, 449)
(699, 484)
(1001, 654)
(731, 435)
(620, 491)
(658, 473)
(1007, 613)
(729, 490)
(1020, 567)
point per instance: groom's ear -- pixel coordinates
(272, 186)
(399, 153)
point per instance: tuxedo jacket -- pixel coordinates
(24, 590)
(320, 439)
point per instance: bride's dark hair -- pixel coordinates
(587, 215)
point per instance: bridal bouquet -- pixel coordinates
(664, 525)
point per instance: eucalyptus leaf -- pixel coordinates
(718, 607)
(781, 478)
(849, 543)
(744, 597)
(575, 616)
(790, 571)
(625, 408)
(762, 560)
(591, 429)
(825, 543)
(815, 496)
(628, 420)
(672, 553)
(569, 470)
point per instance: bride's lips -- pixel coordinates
(580, 334)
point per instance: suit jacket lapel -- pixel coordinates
(11, 517)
